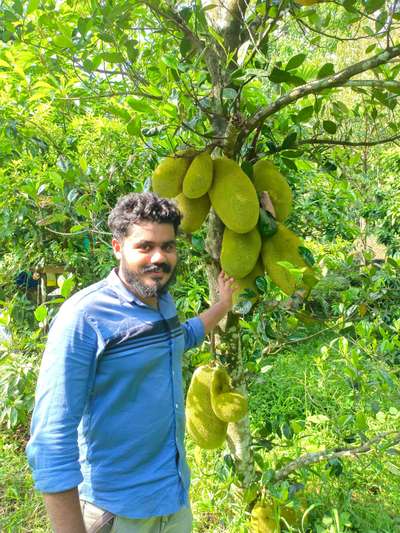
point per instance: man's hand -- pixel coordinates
(226, 288)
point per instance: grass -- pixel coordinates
(307, 389)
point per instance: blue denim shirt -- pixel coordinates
(109, 412)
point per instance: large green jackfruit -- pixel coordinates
(284, 246)
(228, 405)
(199, 176)
(194, 211)
(268, 178)
(205, 428)
(168, 176)
(239, 252)
(233, 196)
(248, 282)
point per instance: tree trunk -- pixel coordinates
(227, 348)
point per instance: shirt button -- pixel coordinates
(176, 405)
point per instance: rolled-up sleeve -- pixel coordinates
(194, 332)
(63, 388)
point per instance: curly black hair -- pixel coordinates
(137, 207)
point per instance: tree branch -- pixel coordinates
(336, 80)
(317, 457)
(348, 143)
(380, 84)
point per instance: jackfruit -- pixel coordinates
(268, 178)
(248, 282)
(168, 176)
(239, 252)
(198, 178)
(228, 405)
(263, 519)
(205, 428)
(194, 211)
(233, 196)
(284, 246)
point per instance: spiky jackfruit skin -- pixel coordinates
(268, 178)
(283, 246)
(194, 211)
(262, 519)
(239, 252)
(199, 176)
(168, 176)
(248, 282)
(228, 405)
(233, 196)
(202, 424)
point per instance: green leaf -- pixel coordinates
(132, 50)
(40, 313)
(62, 41)
(326, 70)
(229, 93)
(295, 61)
(113, 57)
(393, 469)
(279, 76)
(66, 285)
(32, 6)
(134, 126)
(373, 5)
(307, 255)
(304, 114)
(289, 140)
(139, 104)
(329, 126)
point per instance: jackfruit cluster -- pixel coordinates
(254, 237)
(203, 425)
(211, 404)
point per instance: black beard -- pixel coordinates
(142, 290)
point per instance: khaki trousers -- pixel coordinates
(99, 521)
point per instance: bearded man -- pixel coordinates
(107, 436)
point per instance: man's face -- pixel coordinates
(147, 257)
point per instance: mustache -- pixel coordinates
(157, 267)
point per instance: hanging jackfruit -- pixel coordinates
(228, 405)
(205, 428)
(233, 196)
(248, 282)
(263, 519)
(239, 252)
(194, 211)
(284, 246)
(268, 178)
(168, 176)
(199, 176)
